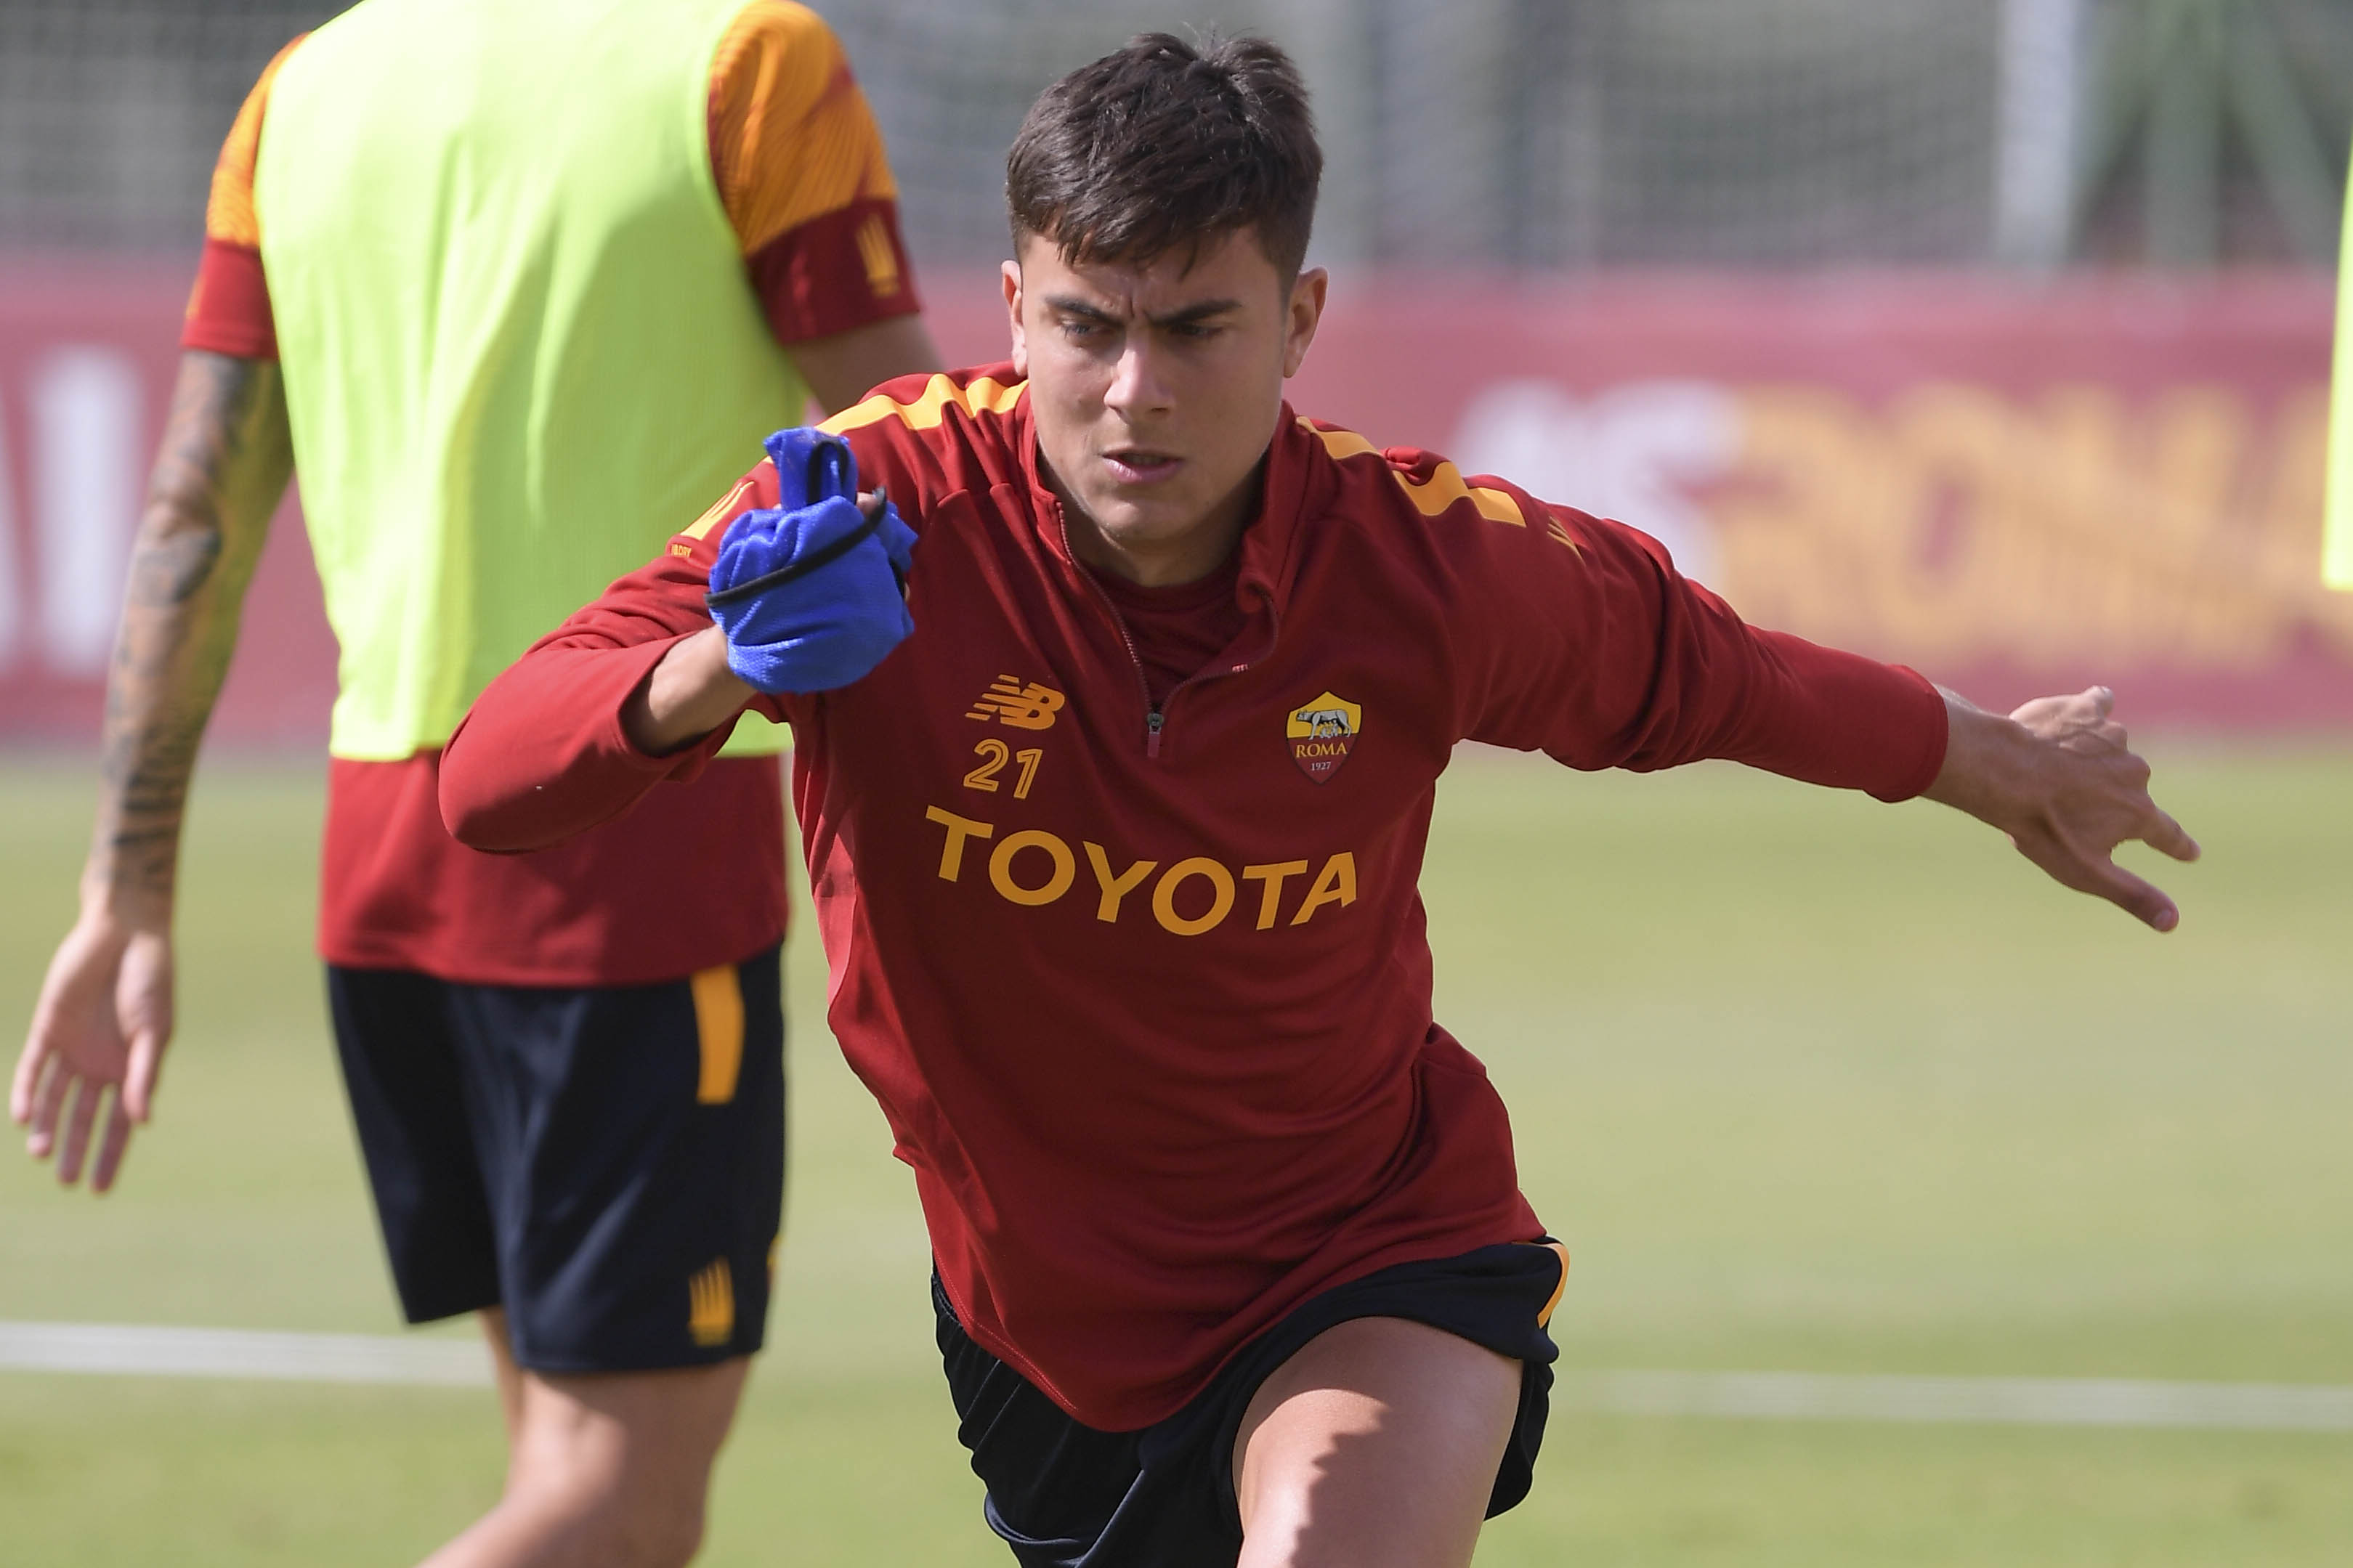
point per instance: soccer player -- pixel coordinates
(1115, 856)
(509, 282)
(2337, 527)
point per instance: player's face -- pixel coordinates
(1155, 390)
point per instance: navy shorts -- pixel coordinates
(606, 1162)
(1064, 1495)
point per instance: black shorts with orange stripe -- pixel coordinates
(606, 1163)
(1064, 1495)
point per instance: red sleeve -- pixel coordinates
(228, 308)
(847, 269)
(801, 171)
(541, 755)
(1604, 656)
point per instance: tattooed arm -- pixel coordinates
(105, 1010)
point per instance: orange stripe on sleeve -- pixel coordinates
(724, 511)
(792, 138)
(1442, 488)
(228, 212)
(985, 395)
(800, 169)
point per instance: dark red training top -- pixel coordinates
(1141, 984)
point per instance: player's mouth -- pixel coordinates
(1141, 465)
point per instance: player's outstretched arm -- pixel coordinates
(543, 753)
(786, 627)
(2059, 778)
(642, 686)
(104, 1014)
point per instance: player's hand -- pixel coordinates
(811, 593)
(103, 1021)
(2058, 776)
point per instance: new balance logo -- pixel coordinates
(1008, 702)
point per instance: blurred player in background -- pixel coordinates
(1116, 855)
(513, 285)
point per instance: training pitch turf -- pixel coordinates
(1806, 1083)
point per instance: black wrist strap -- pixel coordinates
(823, 556)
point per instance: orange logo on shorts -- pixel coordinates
(711, 1305)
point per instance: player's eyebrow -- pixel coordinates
(1071, 305)
(1191, 314)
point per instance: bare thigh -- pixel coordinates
(1374, 1447)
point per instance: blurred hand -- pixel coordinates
(2059, 778)
(103, 1021)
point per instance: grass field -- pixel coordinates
(1806, 1083)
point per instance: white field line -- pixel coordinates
(1999, 1401)
(1746, 1396)
(241, 1352)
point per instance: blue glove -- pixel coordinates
(811, 593)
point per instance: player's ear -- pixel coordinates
(1010, 276)
(1308, 292)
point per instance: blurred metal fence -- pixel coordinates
(1536, 133)
(111, 112)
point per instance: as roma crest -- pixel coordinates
(1321, 732)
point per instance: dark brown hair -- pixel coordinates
(1162, 147)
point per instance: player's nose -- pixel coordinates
(1138, 387)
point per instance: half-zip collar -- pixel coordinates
(1295, 463)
